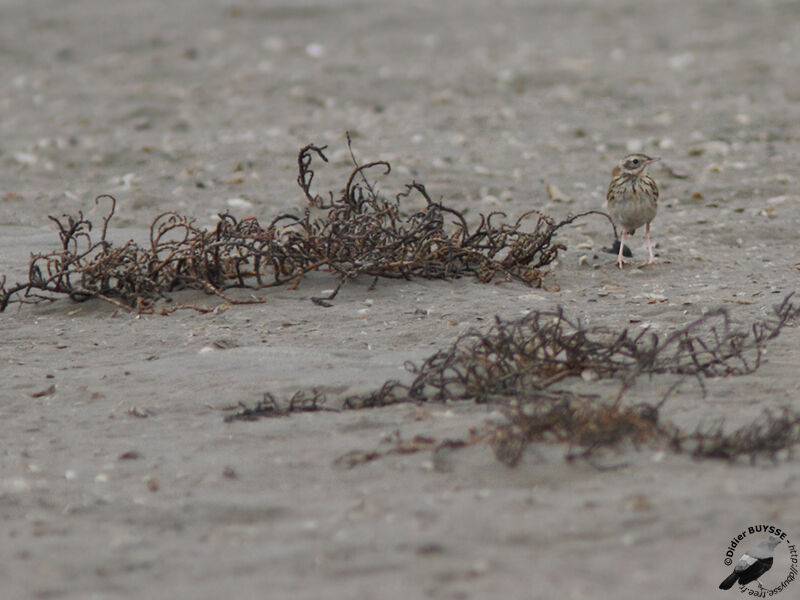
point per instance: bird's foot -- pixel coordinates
(620, 262)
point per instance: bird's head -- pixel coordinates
(634, 164)
(773, 541)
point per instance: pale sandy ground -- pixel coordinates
(159, 103)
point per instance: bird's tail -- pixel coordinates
(728, 583)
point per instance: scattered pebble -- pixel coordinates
(531, 297)
(238, 203)
(634, 145)
(716, 147)
(589, 375)
(315, 50)
(783, 199)
(629, 539)
(638, 503)
(17, 485)
(125, 182)
(25, 158)
(678, 62)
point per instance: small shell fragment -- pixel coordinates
(556, 195)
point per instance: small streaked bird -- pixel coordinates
(753, 564)
(632, 199)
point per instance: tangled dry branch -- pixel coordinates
(361, 232)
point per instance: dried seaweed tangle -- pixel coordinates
(361, 233)
(514, 358)
(772, 432)
(524, 366)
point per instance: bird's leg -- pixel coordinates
(621, 248)
(760, 587)
(649, 245)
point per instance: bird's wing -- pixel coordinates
(610, 195)
(745, 562)
(761, 566)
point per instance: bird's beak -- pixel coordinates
(652, 160)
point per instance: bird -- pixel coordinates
(753, 564)
(632, 199)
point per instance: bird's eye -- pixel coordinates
(635, 161)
